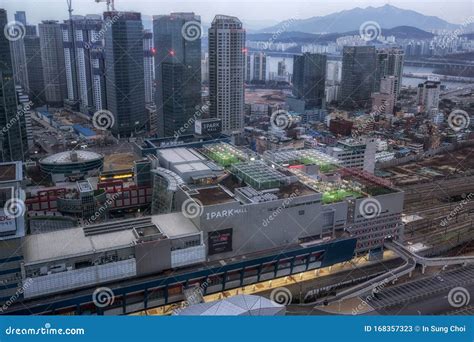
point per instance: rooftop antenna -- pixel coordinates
(110, 4)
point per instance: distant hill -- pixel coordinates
(349, 20)
(400, 32)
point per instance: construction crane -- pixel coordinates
(110, 4)
(69, 8)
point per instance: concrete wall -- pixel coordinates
(68, 280)
(153, 256)
(261, 226)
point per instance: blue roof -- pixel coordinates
(404, 150)
(87, 132)
(46, 113)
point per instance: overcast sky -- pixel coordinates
(251, 11)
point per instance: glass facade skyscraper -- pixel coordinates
(13, 136)
(309, 77)
(177, 70)
(52, 57)
(358, 76)
(124, 69)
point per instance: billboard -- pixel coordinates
(208, 126)
(7, 223)
(220, 241)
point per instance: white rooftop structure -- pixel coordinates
(70, 157)
(240, 305)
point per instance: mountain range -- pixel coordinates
(387, 17)
(400, 32)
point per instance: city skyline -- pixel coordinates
(456, 12)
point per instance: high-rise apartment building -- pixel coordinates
(358, 76)
(309, 77)
(177, 70)
(124, 69)
(383, 101)
(255, 67)
(389, 63)
(428, 95)
(97, 57)
(80, 36)
(226, 72)
(52, 58)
